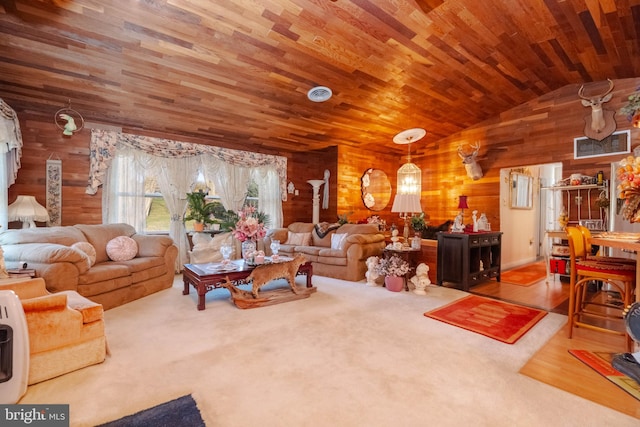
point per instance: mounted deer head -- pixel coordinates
(474, 171)
(601, 123)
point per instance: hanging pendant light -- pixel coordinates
(409, 181)
(409, 175)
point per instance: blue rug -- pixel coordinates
(182, 411)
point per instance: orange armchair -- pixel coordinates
(66, 330)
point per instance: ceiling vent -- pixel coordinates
(319, 94)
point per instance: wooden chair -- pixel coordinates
(604, 311)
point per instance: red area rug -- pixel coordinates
(492, 318)
(526, 275)
(601, 363)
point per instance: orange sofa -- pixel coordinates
(49, 251)
(344, 260)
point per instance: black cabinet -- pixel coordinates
(468, 259)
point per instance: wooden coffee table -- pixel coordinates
(205, 278)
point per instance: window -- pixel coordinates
(158, 217)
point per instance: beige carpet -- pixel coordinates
(350, 355)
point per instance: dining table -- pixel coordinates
(626, 241)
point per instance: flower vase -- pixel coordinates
(248, 250)
(394, 283)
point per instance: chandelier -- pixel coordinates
(409, 175)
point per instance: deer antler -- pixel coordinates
(581, 92)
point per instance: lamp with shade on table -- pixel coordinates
(406, 205)
(27, 210)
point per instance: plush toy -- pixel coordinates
(421, 280)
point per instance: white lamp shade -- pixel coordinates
(406, 203)
(27, 210)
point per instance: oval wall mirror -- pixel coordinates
(376, 189)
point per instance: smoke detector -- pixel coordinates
(319, 94)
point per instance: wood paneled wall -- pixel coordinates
(538, 132)
(303, 167)
(43, 140)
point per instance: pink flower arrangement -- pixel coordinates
(394, 266)
(248, 226)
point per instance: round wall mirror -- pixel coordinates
(376, 189)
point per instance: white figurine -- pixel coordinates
(458, 226)
(475, 221)
(372, 270)
(396, 243)
(421, 279)
(70, 127)
(483, 222)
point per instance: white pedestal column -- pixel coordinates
(316, 183)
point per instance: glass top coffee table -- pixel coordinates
(207, 277)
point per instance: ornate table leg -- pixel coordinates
(202, 290)
(185, 291)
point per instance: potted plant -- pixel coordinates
(393, 269)
(418, 223)
(199, 210)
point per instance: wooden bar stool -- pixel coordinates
(583, 272)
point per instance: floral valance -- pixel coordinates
(104, 143)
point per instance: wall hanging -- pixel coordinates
(54, 191)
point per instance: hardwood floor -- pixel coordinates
(553, 364)
(551, 296)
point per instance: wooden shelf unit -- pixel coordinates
(466, 259)
(580, 192)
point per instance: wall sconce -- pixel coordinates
(27, 210)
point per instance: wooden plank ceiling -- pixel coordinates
(236, 72)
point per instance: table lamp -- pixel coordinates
(27, 210)
(406, 205)
(462, 204)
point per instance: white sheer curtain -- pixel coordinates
(269, 200)
(176, 177)
(121, 162)
(231, 183)
(123, 196)
(4, 186)
(10, 153)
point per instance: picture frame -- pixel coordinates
(617, 143)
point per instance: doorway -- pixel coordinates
(524, 229)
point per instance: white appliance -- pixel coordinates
(14, 349)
